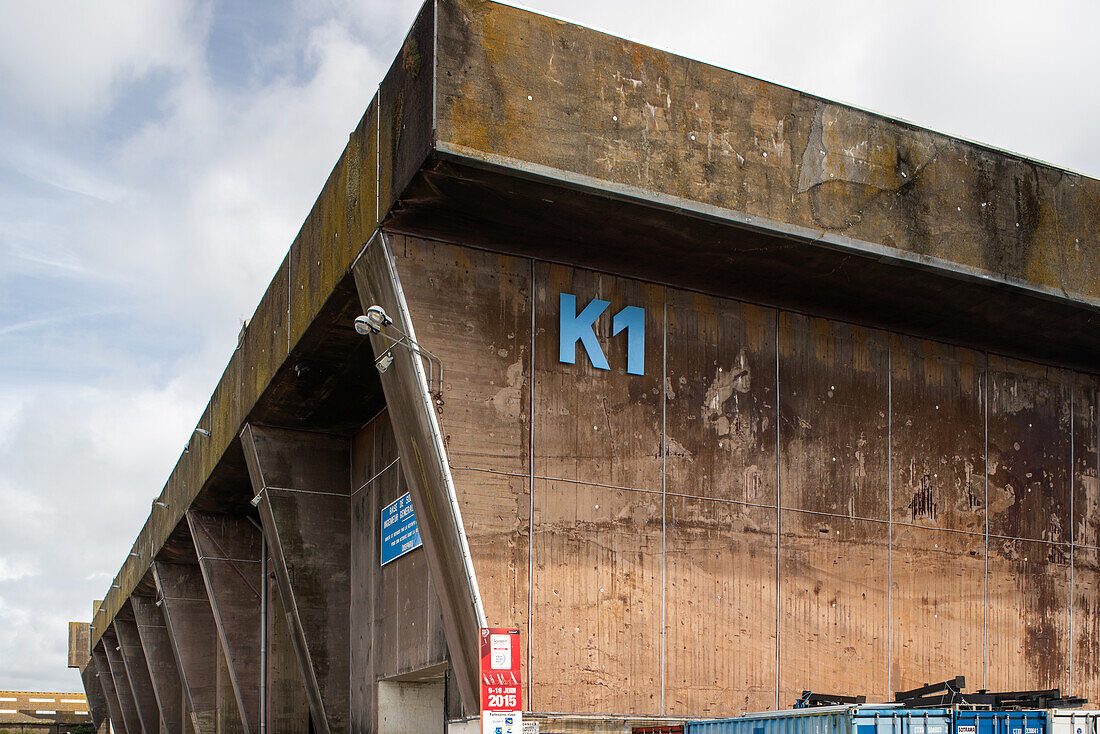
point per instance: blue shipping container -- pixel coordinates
(1001, 722)
(862, 719)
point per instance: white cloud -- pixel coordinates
(65, 58)
(126, 262)
(221, 184)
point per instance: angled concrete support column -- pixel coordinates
(287, 702)
(303, 481)
(137, 670)
(107, 683)
(424, 464)
(163, 671)
(228, 547)
(194, 639)
(125, 694)
(93, 691)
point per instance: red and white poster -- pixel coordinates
(501, 692)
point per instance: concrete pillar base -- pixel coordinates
(410, 707)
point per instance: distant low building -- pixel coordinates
(23, 712)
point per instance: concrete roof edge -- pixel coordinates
(690, 207)
(1023, 157)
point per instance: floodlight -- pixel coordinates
(372, 321)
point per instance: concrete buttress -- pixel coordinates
(193, 636)
(303, 482)
(228, 547)
(163, 670)
(97, 700)
(126, 700)
(107, 683)
(137, 672)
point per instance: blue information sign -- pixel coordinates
(399, 532)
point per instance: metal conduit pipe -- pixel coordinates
(263, 626)
(263, 635)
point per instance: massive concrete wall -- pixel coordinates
(780, 502)
(764, 502)
(396, 623)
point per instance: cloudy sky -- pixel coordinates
(158, 156)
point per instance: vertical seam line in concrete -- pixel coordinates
(1072, 525)
(264, 611)
(985, 605)
(351, 517)
(778, 504)
(378, 159)
(889, 512)
(664, 484)
(531, 493)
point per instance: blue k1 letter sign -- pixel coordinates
(577, 327)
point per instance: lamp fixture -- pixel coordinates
(373, 322)
(201, 431)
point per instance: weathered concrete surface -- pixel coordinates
(107, 684)
(163, 671)
(286, 702)
(93, 691)
(412, 411)
(137, 672)
(194, 638)
(396, 617)
(228, 548)
(80, 648)
(410, 706)
(304, 486)
(538, 95)
(126, 699)
(838, 475)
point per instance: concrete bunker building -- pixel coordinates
(730, 391)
